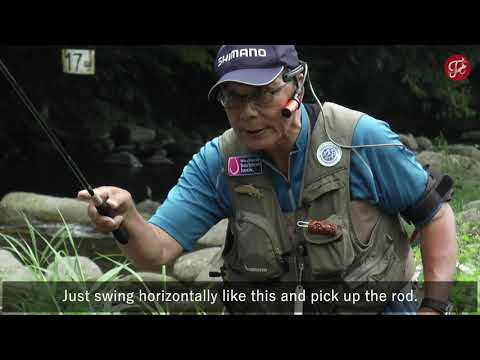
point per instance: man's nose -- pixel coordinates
(249, 110)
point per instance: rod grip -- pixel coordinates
(121, 234)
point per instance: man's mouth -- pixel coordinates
(255, 132)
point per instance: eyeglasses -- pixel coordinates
(259, 97)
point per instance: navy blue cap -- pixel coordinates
(256, 65)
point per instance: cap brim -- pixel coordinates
(254, 77)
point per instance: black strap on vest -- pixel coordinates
(313, 110)
(439, 189)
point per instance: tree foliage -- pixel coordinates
(166, 86)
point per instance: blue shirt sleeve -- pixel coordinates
(198, 201)
(388, 176)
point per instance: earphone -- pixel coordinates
(294, 103)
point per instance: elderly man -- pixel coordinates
(312, 192)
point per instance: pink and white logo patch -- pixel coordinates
(244, 166)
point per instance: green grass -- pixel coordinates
(41, 296)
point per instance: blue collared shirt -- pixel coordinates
(389, 177)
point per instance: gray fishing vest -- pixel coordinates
(264, 244)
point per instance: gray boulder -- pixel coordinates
(435, 159)
(149, 277)
(409, 141)
(41, 208)
(465, 150)
(472, 205)
(20, 274)
(215, 236)
(68, 269)
(126, 148)
(141, 135)
(214, 265)
(188, 267)
(8, 263)
(103, 146)
(471, 215)
(123, 158)
(424, 144)
(457, 163)
(159, 158)
(471, 136)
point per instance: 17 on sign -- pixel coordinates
(77, 61)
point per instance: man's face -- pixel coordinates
(255, 113)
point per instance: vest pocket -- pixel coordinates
(329, 255)
(258, 251)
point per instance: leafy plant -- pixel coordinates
(41, 295)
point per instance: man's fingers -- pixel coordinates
(103, 192)
(105, 224)
(117, 221)
(112, 204)
(116, 199)
(83, 196)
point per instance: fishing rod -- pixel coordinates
(120, 234)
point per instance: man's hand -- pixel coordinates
(118, 200)
(149, 247)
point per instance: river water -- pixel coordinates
(52, 177)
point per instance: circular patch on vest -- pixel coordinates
(329, 154)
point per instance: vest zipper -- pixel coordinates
(290, 192)
(298, 306)
(287, 180)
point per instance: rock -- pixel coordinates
(141, 135)
(159, 158)
(215, 236)
(21, 274)
(149, 277)
(214, 265)
(68, 269)
(455, 164)
(123, 158)
(409, 141)
(465, 150)
(103, 146)
(433, 158)
(188, 267)
(473, 136)
(472, 205)
(471, 215)
(8, 263)
(424, 144)
(123, 135)
(41, 208)
(126, 148)
(148, 207)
